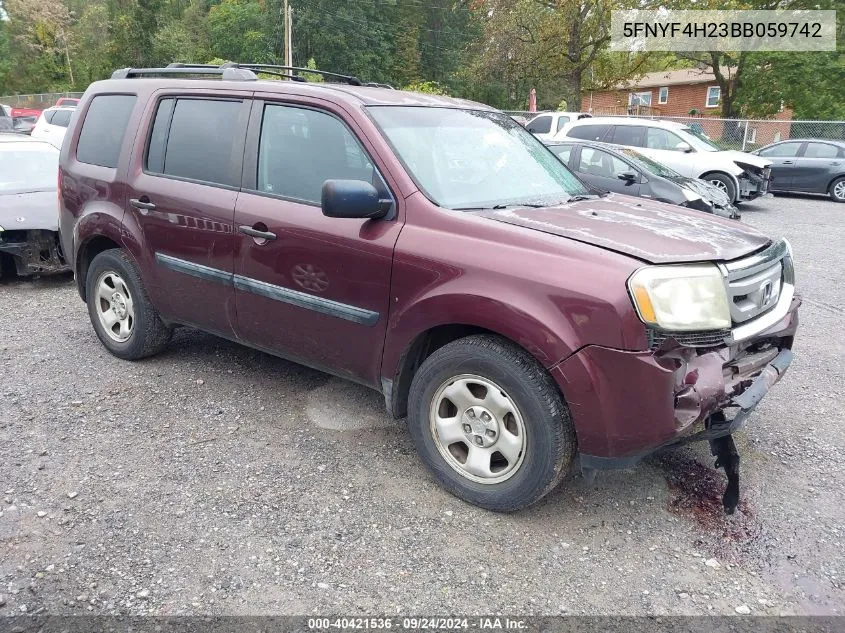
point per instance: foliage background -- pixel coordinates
(493, 51)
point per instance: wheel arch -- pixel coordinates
(406, 348)
(85, 254)
(833, 180)
(710, 172)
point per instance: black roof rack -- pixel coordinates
(235, 71)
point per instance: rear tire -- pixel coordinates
(723, 182)
(490, 424)
(837, 190)
(123, 317)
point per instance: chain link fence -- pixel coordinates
(36, 101)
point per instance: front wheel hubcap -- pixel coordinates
(839, 190)
(478, 429)
(114, 306)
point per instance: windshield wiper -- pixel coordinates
(530, 205)
(499, 207)
(586, 196)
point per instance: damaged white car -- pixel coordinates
(29, 220)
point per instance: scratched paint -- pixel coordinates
(648, 230)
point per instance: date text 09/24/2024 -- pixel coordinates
(417, 623)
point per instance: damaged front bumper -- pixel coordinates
(34, 252)
(625, 405)
(753, 181)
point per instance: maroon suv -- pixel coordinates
(429, 248)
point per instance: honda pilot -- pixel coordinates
(429, 248)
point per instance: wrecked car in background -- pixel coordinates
(681, 147)
(29, 222)
(625, 170)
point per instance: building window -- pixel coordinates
(639, 98)
(714, 95)
(752, 135)
(663, 95)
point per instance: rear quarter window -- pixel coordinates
(103, 129)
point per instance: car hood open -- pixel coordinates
(29, 210)
(651, 231)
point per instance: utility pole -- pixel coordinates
(288, 35)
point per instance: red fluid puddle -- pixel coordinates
(695, 492)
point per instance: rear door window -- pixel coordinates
(540, 125)
(821, 150)
(195, 139)
(590, 132)
(561, 121)
(103, 129)
(631, 135)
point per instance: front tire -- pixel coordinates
(123, 317)
(723, 182)
(490, 424)
(837, 190)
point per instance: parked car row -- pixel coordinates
(797, 165)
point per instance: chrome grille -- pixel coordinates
(709, 338)
(754, 283)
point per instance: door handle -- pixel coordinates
(143, 203)
(252, 232)
(786, 162)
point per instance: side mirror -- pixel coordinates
(629, 177)
(683, 146)
(352, 199)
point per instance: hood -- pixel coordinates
(29, 210)
(652, 231)
(742, 159)
(704, 189)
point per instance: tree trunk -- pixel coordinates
(572, 90)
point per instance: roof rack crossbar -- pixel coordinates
(350, 79)
(229, 73)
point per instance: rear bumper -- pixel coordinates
(626, 405)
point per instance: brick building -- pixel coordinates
(676, 93)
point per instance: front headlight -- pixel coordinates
(682, 298)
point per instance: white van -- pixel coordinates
(742, 176)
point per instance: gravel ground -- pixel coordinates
(214, 479)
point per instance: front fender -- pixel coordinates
(542, 334)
